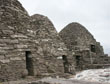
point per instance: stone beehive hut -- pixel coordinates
(55, 52)
(77, 37)
(29, 45)
(17, 45)
(87, 51)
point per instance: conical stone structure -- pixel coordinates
(86, 50)
(53, 47)
(79, 37)
(29, 45)
(17, 44)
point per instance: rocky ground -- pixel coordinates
(96, 75)
(52, 81)
(93, 76)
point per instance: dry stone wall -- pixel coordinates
(53, 47)
(28, 45)
(15, 41)
(86, 50)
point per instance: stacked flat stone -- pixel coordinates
(28, 45)
(80, 41)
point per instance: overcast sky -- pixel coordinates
(93, 14)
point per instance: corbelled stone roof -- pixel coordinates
(43, 26)
(13, 5)
(77, 37)
(13, 14)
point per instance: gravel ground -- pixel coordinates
(52, 81)
(67, 81)
(93, 76)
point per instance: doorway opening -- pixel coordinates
(65, 63)
(29, 63)
(93, 49)
(78, 58)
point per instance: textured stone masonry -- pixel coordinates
(31, 46)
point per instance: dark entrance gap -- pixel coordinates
(29, 64)
(78, 58)
(66, 64)
(93, 49)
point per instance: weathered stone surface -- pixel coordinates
(51, 43)
(87, 51)
(5, 61)
(28, 43)
(14, 40)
